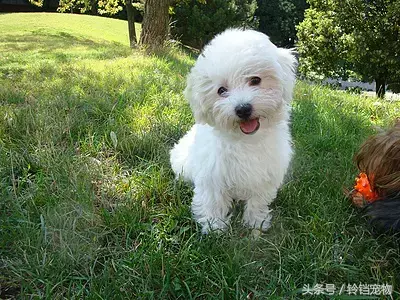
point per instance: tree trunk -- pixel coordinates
(155, 26)
(380, 87)
(46, 5)
(131, 24)
(94, 7)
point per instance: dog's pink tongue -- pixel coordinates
(249, 126)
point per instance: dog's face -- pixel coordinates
(241, 82)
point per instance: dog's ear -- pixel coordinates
(288, 63)
(192, 96)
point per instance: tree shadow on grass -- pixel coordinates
(46, 41)
(57, 47)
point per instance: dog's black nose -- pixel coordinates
(244, 111)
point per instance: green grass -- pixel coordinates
(89, 207)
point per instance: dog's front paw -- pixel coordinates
(258, 223)
(257, 217)
(212, 225)
(210, 209)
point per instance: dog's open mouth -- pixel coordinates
(250, 126)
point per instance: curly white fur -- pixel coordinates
(221, 160)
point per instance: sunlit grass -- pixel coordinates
(89, 207)
(87, 27)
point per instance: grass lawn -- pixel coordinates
(88, 204)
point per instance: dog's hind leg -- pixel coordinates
(179, 156)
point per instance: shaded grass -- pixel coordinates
(89, 205)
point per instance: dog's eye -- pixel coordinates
(222, 90)
(255, 81)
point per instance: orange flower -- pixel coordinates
(364, 188)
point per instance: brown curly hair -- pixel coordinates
(379, 158)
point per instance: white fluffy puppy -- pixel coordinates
(240, 147)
